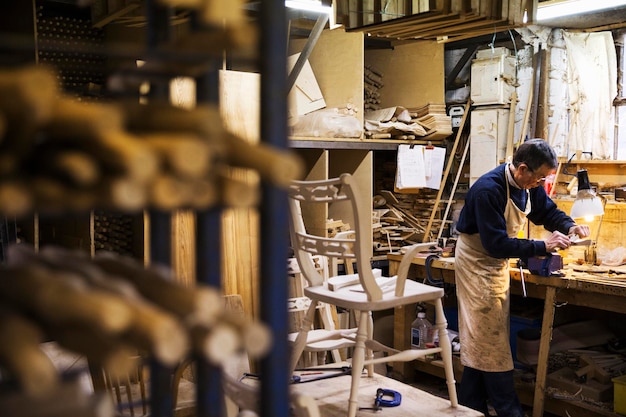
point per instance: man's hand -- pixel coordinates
(582, 230)
(557, 241)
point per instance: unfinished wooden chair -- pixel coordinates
(319, 344)
(369, 293)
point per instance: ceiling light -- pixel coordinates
(308, 5)
(559, 8)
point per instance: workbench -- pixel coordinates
(596, 288)
(332, 394)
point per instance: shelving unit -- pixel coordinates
(338, 61)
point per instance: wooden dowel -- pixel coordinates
(150, 328)
(27, 95)
(81, 119)
(235, 193)
(277, 166)
(20, 353)
(185, 154)
(198, 304)
(62, 299)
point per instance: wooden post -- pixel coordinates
(544, 351)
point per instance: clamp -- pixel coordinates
(383, 398)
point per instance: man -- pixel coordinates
(495, 210)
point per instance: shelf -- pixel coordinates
(351, 143)
(562, 408)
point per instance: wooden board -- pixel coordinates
(407, 82)
(239, 103)
(337, 62)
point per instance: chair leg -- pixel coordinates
(300, 342)
(358, 358)
(446, 351)
(369, 353)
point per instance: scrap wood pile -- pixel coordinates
(434, 119)
(402, 219)
(585, 375)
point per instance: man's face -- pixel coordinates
(527, 178)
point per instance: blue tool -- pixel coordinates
(387, 398)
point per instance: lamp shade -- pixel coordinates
(587, 203)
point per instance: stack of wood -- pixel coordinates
(434, 119)
(107, 308)
(372, 82)
(57, 153)
(584, 374)
(402, 219)
(445, 21)
(335, 226)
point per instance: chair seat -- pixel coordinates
(353, 297)
(321, 340)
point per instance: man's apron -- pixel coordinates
(482, 286)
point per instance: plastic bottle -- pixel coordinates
(421, 332)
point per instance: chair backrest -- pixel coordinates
(350, 246)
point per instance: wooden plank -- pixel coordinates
(240, 263)
(457, 28)
(184, 250)
(475, 33)
(422, 18)
(430, 27)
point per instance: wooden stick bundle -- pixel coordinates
(199, 304)
(150, 328)
(275, 165)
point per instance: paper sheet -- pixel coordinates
(410, 172)
(434, 159)
(419, 167)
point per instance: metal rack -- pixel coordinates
(272, 63)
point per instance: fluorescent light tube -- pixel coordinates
(552, 10)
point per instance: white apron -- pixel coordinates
(482, 286)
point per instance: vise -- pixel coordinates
(545, 266)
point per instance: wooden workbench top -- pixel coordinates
(332, 396)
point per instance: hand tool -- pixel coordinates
(520, 265)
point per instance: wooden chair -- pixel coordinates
(319, 341)
(369, 293)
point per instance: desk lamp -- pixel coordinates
(588, 205)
